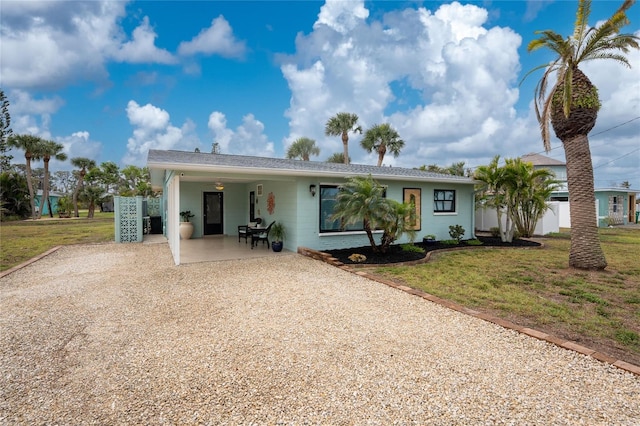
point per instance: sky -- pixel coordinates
(112, 79)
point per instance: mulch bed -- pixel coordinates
(395, 254)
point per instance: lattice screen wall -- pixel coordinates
(153, 206)
(128, 219)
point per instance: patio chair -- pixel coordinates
(262, 236)
(244, 232)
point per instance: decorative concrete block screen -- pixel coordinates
(153, 206)
(128, 219)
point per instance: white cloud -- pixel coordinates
(48, 44)
(459, 74)
(217, 39)
(341, 16)
(153, 130)
(32, 116)
(51, 43)
(78, 144)
(247, 139)
(141, 48)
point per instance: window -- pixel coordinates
(444, 201)
(328, 194)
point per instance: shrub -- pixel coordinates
(495, 231)
(411, 248)
(456, 232)
(474, 242)
(450, 242)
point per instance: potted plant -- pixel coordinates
(429, 239)
(278, 234)
(186, 227)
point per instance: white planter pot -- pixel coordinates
(186, 230)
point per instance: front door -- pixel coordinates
(212, 213)
(632, 208)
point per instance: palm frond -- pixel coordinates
(616, 57)
(582, 21)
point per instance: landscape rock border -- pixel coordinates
(563, 343)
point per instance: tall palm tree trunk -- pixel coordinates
(32, 198)
(45, 188)
(382, 150)
(76, 192)
(585, 252)
(345, 147)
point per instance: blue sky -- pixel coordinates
(109, 80)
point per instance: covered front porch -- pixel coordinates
(213, 248)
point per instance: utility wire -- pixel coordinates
(595, 134)
(616, 159)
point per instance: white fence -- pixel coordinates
(556, 217)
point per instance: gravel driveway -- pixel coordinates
(115, 334)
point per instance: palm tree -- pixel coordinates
(382, 138)
(30, 144)
(361, 199)
(338, 158)
(528, 190)
(303, 148)
(340, 125)
(84, 164)
(572, 107)
(92, 195)
(493, 194)
(49, 149)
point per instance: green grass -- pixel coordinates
(536, 288)
(22, 240)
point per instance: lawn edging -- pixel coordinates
(28, 262)
(563, 343)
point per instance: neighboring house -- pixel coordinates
(226, 191)
(614, 206)
(53, 197)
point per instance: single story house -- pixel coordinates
(226, 191)
(614, 206)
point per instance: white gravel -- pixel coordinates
(115, 334)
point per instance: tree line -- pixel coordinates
(88, 185)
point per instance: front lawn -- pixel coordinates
(537, 289)
(22, 240)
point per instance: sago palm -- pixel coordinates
(303, 148)
(571, 106)
(382, 138)
(340, 125)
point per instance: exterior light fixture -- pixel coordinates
(219, 186)
(312, 190)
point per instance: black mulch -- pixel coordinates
(396, 255)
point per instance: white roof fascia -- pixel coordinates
(299, 173)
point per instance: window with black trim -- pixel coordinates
(444, 201)
(328, 194)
